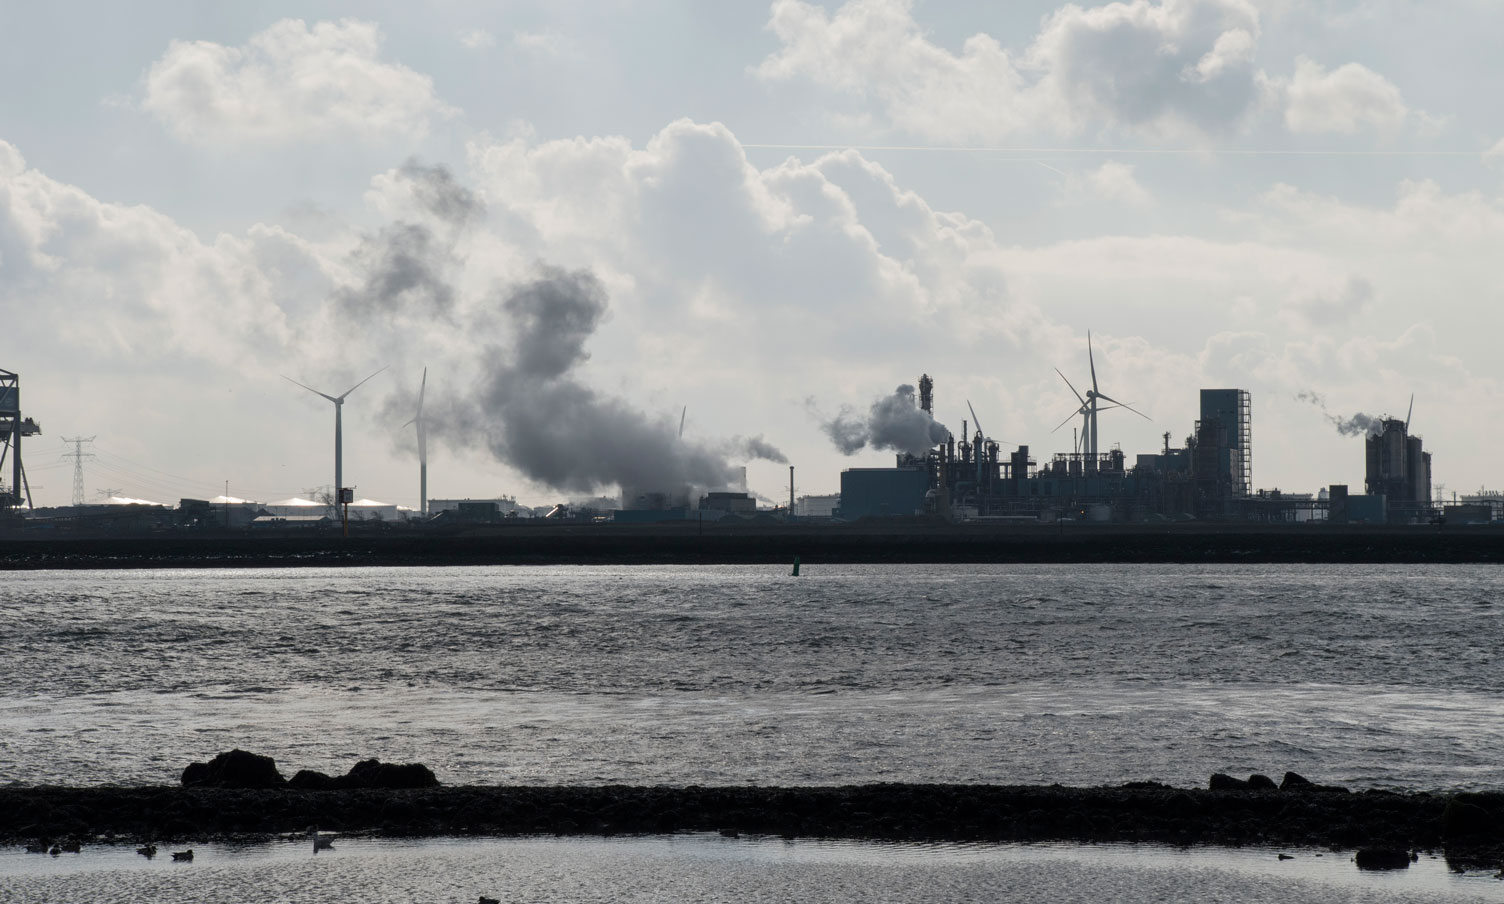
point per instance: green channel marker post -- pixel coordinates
(795, 572)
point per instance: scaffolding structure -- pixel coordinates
(12, 428)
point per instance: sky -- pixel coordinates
(590, 220)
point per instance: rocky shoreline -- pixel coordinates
(1469, 828)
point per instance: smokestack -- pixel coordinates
(791, 491)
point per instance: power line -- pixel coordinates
(1155, 152)
(168, 481)
(78, 455)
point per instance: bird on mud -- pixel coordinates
(486, 900)
(320, 842)
(183, 856)
(148, 851)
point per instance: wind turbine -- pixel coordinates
(1089, 407)
(339, 436)
(422, 448)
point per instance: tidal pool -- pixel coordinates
(713, 869)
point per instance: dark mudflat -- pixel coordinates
(1469, 826)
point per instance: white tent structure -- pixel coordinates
(234, 511)
(296, 505)
(371, 510)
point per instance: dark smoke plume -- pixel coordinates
(1359, 424)
(405, 263)
(531, 410)
(435, 188)
(847, 430)
(404, 269)
(894, 422)
(757, 447)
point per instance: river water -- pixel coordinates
(1364, 676)
(1084, 675)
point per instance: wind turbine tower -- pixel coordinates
(339, 435)
(422, 428)
(1089, 407)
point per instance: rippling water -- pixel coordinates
(714, 870)
(1368, 676)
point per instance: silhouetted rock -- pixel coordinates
(373, 773)
(1224, 782)
(1296, 782)
(235, 769)
(1261, 783)
(1463, 816)
(1382, 858)
(309, 780)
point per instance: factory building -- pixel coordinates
(883, 492)
(823, 506)
(1399, 469)
(1210, 477)
(1224, 440)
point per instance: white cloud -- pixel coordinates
(476, 38)
(1494, 156)
(1333, 306)
(1342, 100)
(1163, 67)
(1157, 67)
(740, 290)
(550, 43)
(1115, 182)
(127, 281)
(289, 83)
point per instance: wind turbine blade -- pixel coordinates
(1067, 420)
(1092, 360)
(1123, 405)
(1073, 389)
(974, 418)
(358, 385)
(421, 425)
(682, 413)
(307, 387)
(1408, 413)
